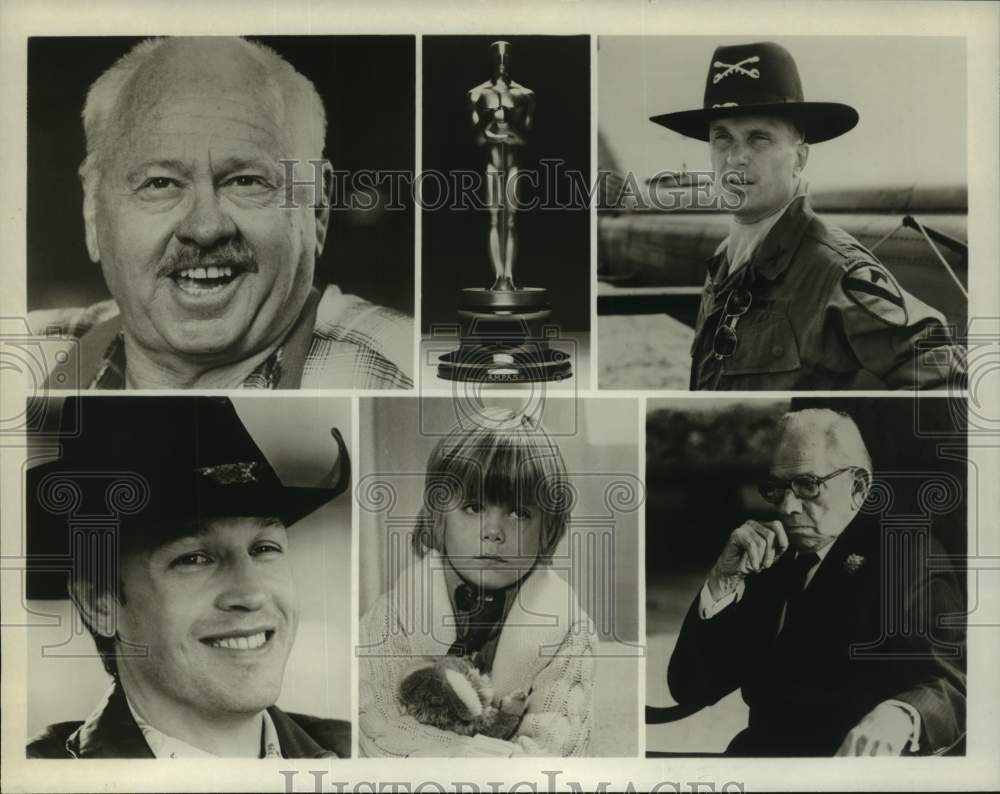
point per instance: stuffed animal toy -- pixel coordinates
(451, 694)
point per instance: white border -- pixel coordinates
(978, 23)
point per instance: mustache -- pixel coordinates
(234, 253)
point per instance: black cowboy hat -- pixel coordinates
(140, 471)
(759, 79)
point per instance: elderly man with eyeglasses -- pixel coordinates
(790, 301)
(790, 605)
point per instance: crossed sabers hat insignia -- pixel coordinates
(772, 87)
(736, 68)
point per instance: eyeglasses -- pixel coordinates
(737, 304)
(804, 486)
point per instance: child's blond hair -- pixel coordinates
(502, 457)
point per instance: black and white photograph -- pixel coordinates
(359, 425)
(784, 214)
(505, 221)
(498, 578)
(805, 577)
(226, 214)
(188, 578)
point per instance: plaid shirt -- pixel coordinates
(351, 344)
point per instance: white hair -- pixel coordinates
(839, 432)
(297, 97)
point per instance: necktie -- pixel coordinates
(796, 583)
(478, 614)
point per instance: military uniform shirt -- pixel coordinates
(825, 314)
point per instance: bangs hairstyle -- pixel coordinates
(506, 459)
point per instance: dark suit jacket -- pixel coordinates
(859, 637)
(113, 733)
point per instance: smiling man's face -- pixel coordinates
(208, 621)
(190, 221)
(759, 157)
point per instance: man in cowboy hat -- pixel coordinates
(834, 656)
(169, 530)
(791, 302)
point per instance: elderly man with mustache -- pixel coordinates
(207, 237)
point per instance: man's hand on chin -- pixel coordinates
(885, 730)
(752, 547)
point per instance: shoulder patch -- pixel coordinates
(874, 289)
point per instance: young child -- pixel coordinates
(480, 584)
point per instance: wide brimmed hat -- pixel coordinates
(759, 79)
(150, 468)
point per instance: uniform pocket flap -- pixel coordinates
(766, 344)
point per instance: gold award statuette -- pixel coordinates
(503, 339)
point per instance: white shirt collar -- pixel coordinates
(165, 746)
(744, 238)
(821, 553)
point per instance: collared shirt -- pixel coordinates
(110, 731)
(166, 746)
(338, 341)
(824, 314)
(478, 625)
(743, 239)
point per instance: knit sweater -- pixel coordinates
(546, 648)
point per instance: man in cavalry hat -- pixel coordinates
(790, 301)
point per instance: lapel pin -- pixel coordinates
(853, 563)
